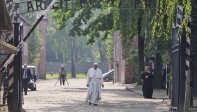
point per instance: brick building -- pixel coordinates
(123, 71)
(42, 64)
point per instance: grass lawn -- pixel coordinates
(56, 76)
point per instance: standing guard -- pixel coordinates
(62, 75)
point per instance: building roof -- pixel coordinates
(8, 47)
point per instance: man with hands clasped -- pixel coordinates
(94, 83)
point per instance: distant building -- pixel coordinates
(42, 26)
(123, 71)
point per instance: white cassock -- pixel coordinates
(95, 81)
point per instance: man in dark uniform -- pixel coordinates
(26, 77)
(147, 83)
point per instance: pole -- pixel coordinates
(182, 77)
(20, 67)
(16, 70)
(179, 69)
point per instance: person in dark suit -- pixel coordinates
(26, 77)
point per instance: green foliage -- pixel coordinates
(57, 45)
(166, 58)
(187, 12)
(127, 22)
(134, 59)
(99, 18)
(169, 76)
(89, 22)
(109, 44)
(164, 17)
(104, 22)
(60, 42)
(35, 43)
(35, 40)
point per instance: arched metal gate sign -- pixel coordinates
(37, 5)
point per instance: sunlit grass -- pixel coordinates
(56, 76)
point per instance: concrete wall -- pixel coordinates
(80, 67)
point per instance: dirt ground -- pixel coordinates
(59, 98)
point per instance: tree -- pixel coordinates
(85, 23)
(155, 28)
(35, 43)
(162, 27)
(73, 47)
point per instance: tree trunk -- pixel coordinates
(140, 45)
(158, 72)
(102, 57)
(73, 73)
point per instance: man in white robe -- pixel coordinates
(94, 83)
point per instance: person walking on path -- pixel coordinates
(94, 83)
(26, 77)
(147, 83)
(62, 75)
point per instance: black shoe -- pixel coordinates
(95, 104)
(25, 93)
(89, 103)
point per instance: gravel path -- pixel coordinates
(51, 98)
